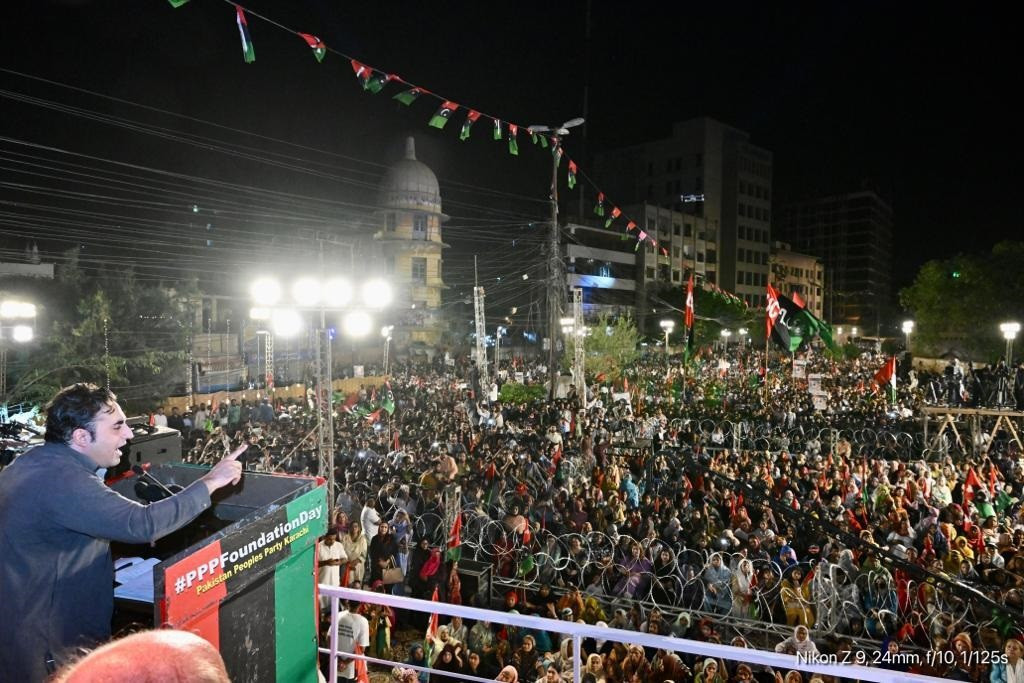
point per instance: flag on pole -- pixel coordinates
(409, 96)
(387, 401)
(497, 130)
(248, 51)
(886, 376)
(443, 113)
(616, 212)
(572, 174)
(454, 552)
(317, 45)
(431, 635)
(971, 484)
(513, 142)
(789, 324)
(689, 303)
(688, 319)
(772, 309)
(471, 117)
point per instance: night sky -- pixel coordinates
(908, 99)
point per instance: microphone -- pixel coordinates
(144, 474)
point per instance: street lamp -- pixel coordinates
(668, 326)
(22, 332)
(725, 334)
(1009, 331)
(318, 295)
(742, 332)
(908, 327)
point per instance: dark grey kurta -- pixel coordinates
(57, 519)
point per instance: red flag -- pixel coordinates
(432, 628)
(971, 483)
(689, 303)
(630, 225)
(317, 45)
(992, 480)
(455, 539)
(887, 373)
(773, 310)
(797, 299)
(527, 536)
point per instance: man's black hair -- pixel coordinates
(76, 407)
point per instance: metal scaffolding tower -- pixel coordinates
(481, 338)
(268, 350)
(579, 339)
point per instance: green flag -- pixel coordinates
(409, 96)
(444, 112)
(315, 44)
(513, 143)
(497, 130)
(387, 401)
(471, 118)
(177, 3)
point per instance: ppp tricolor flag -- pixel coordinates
(689, 317)
(886, 377)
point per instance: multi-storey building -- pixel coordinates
(604, 266)
(852, 235)
(714, 163)
(409, 237)
(796, 273)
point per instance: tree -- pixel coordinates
(136, 332)
(611, 347)
(715, 311)
(958, 303)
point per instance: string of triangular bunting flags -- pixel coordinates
(375, 80)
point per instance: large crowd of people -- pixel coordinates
(720, 502)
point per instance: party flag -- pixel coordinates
(177, 3)
(497, 130)
(599, 207)
(444, 112)
(431, 636)
(616, 212)
(572, 174)
(513, 143)
(317, 45)
(409, 96)
(248, 51)
(454, 552)
(471, 118)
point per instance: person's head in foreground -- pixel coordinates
(164, 656)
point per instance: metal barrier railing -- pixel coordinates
(578, 632)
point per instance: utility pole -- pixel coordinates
(579, 341)
(556, 274)
(556, 289)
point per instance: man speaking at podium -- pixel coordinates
(57, 519)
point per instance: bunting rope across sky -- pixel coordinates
(375, 80)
